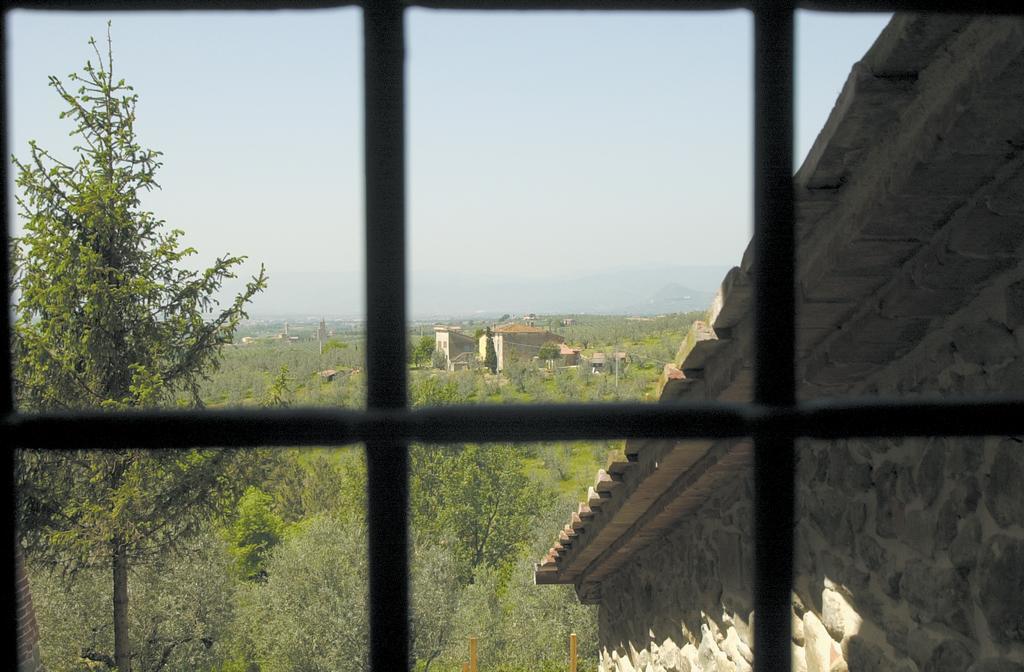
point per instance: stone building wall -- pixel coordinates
(910, 552)
(685, 603)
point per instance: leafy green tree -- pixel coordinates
(521, 373)
(465, 383)
(490, 354)
(334, 344)
(527, 626)
(278, 394)
(311, 481)
(567, 384)
(535, 621)
(311, 613)
(479, 496)
(435, 598)
(439, 360)
(434, 391)
(107, 317)
(422, 350)
(549, 351)
(255, 531)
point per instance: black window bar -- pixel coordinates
(386, 427)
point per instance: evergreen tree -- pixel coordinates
(256, 530)
(490, 355)
(107, 317)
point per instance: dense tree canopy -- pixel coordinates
(479, 497)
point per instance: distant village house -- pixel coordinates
(570, 356)
(600, 362)
(511, 341)
(517, 342)
(458, 348)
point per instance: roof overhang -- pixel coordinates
(909, 204)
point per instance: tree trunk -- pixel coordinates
(122, 649)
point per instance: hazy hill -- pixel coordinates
(643, 291)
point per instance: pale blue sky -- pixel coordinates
(539, 143)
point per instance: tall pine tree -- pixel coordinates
(490, 354)
(108, 317)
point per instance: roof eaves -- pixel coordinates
(714, 363)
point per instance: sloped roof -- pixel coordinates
(910, 202)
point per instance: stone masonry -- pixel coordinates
(910, 552)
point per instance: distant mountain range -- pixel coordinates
(444, 295)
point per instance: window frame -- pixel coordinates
(775, 419)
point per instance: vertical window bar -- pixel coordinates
(386, 457)
(775, 276)
(6, 391)
(10, 614)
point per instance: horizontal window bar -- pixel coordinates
(834, 419)
(585, 5)
(827, 419)
(954, 6)
(950, 6)
(946, 7)
(175, 5)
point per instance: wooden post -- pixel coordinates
(472, 654)
(572, 652)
